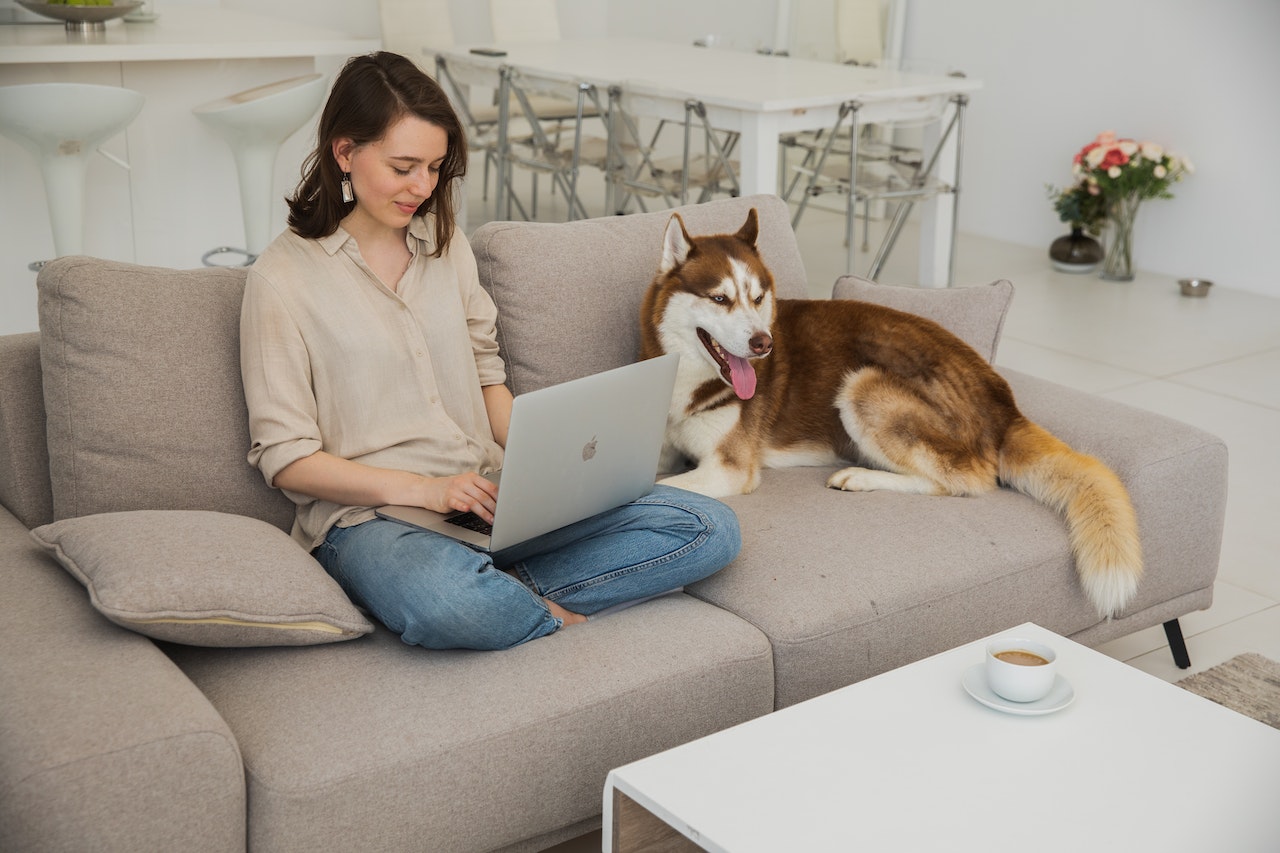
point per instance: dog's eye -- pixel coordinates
(719, 298)
(760, 299)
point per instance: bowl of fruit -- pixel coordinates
(81, 15)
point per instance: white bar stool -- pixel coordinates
(255, 123)
(62, 124)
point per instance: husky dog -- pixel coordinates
(768, 382)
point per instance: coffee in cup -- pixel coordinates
(1020, 670)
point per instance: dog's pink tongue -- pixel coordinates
(743, 375)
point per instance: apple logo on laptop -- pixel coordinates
(589, 450)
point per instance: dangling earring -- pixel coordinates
(348, 195)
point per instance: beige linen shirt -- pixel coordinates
(334, 360)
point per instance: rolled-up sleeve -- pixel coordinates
(276, 371)
(482, 314)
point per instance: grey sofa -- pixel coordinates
(115, 735)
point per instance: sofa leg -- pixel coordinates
(1177, 645)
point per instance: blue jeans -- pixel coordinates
(439, 593)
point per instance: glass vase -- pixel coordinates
(1118, 263)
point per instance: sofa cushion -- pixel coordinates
(377, 745)
(203, 578)
(973, 314)
(568, 294)
(142, 391)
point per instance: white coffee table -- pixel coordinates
(909, 761)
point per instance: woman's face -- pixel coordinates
(393, 176)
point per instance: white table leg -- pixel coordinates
(758, 154)
(937, 215)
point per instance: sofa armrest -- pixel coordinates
(24, 455)
(1176, 475)
(104, 743)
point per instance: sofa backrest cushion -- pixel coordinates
(142, 392)
(568, 294)
(973, 314)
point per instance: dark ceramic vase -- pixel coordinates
(1076, 252)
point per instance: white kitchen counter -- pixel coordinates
(180, 197)
(180, 33)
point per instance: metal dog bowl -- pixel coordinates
(1195, 286)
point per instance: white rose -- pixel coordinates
(1113, 172)
(1187, 167)
(1094, 157)
(1152, 151)
(1128, 147)
(1159, 171)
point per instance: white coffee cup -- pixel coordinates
(1020, 670)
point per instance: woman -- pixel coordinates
(372, 375)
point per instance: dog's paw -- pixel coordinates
(872, 479)
(850, 480)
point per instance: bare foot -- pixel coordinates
(568, 617)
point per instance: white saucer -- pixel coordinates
(975, 684)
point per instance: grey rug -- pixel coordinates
(1249, 684)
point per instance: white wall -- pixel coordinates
(1200, 78)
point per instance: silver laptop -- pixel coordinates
(573, 450)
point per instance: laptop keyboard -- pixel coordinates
(471, 521)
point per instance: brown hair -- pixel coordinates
(370, 94)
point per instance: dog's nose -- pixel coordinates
(761, 343)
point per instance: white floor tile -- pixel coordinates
(1067, 369)
(1252, 379)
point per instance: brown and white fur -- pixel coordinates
(768, 382)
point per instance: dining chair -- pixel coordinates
(705, 162)
(524, 20)
(900, 182)
(561, 154)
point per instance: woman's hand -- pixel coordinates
(467, 492)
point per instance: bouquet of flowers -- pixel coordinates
(1118, 175)
(1117, 168)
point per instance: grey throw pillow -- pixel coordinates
(203, 578)
(973, 314)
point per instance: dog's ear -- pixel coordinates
(676, 244)
(750, 229)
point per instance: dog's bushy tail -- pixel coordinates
(1100, 519)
